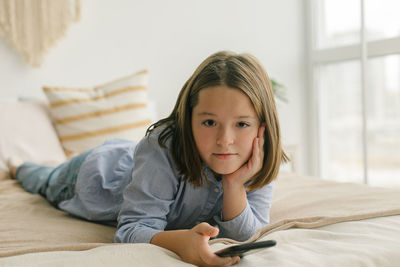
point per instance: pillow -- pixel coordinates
(27, 133)
(87, 117)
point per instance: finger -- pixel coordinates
(256, 152)
(211, 259)
(252, 160)
(261, 132)
(235, 260)
(206, 229)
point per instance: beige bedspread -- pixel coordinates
(308, 202)
(342, 244)
(29, 224)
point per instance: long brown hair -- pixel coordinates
(240, 71)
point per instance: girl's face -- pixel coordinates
(224, 125)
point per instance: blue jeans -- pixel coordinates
(55, 184)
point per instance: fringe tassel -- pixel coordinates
(32, 27)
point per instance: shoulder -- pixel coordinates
(149, 150)
(154, 170)
(151, 141)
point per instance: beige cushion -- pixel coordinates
(27, 133)
(86, 117)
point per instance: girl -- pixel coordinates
(211, 162)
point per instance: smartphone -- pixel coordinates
(245, 249)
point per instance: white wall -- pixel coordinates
(170, 38)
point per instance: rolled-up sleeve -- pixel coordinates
(147, 199)
(254, 216)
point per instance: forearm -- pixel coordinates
(234, 200)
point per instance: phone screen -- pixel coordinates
(245, 249)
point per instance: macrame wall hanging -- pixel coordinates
(33, 26)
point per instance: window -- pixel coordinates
(382, 19)
(383, 120)
(355, 69)
(340, 109)
(337, 22)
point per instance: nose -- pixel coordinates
(225, 136)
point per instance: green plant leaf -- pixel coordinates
(279, 90)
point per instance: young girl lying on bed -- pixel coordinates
(204, 171)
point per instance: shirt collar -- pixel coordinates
(210, 174)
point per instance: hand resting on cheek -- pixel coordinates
(252, 166)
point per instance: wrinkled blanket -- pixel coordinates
(306, 213)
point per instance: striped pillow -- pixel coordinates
(86, 117)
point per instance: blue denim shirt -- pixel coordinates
(154, 196)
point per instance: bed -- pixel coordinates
(315, 222)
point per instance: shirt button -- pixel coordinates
(216, 190)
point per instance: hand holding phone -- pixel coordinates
(245, 249)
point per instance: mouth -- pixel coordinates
(224, 155)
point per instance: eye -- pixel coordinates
(208, 123)
(243, 124)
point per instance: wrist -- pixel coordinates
(230, 185)
(172, 240)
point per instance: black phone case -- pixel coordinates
(240, 250)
